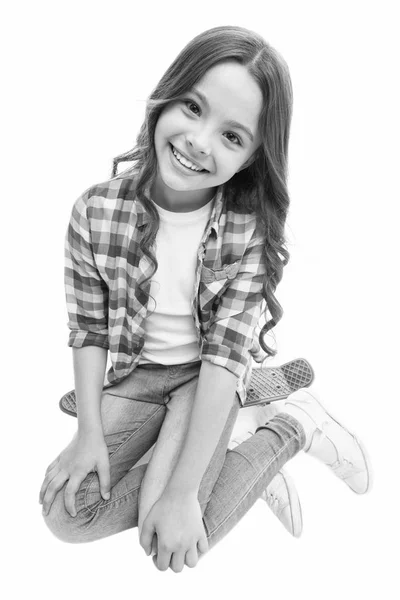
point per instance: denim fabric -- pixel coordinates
(132, 414)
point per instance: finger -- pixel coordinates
(50, 475)
(178, 561)
(54, 486)
(163, 558)
(192, 557)
(53, 464)
(146, 536)
(103, 471)
(202, 545)
(154, 545)
(70, 491)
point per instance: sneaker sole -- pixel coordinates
(296, 516)
(297, 523)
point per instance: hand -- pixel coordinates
(177, 521)
(85, 453)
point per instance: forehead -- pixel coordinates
(232, 92)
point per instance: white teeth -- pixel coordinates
(184, 161)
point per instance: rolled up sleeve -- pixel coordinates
(86, 292)
(231, 335)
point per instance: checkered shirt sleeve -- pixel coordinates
(86, 292)
(230, 337)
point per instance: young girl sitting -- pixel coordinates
(167, 267)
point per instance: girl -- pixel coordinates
(167, 266)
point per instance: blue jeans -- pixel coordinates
(132, 413)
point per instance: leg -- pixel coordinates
(246, 472)
(132, 414)
(280, 495)
(250, 466)
(131, 427)
(126, 442)
(234, 478)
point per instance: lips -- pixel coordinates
(187, 158)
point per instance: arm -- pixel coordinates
(87, 305)
(214, 397)
(176, 517)
(85, 291)
(89, 368)
(87, 451)
(86, 295)
(225, 357)
(165, 455)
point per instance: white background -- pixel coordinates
(75, 79)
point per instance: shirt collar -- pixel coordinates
(142, 215)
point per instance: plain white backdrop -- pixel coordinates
(75, 79)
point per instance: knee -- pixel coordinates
(66, 528)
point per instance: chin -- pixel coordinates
(174, 183)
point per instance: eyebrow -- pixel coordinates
(231, 123)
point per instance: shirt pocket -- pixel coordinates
(213, 283)
(226, 272)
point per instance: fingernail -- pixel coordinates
(107, 495)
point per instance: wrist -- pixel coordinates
(92, 430)
(179, 490)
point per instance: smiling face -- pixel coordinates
(204, 129)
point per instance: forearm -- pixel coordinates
(89, 369)
(165, 454)
(151, 489)
(213, 401)
(159, 470)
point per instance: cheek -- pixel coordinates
(231, 163)
(161, 125)
(169, 123)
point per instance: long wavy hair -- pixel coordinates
(262, 186)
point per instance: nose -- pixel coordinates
(198, 143)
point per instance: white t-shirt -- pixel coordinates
(170, 333)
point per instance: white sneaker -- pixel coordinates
(282, 498)
(332, 443)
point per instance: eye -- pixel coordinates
(190, 103)
(239, 143)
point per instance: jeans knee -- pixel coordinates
(62, 525)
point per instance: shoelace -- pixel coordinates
(344, 468)
(275, 502)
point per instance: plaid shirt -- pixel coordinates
(104, 267)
